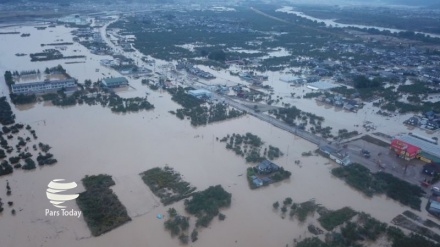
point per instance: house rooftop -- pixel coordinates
(266, 164)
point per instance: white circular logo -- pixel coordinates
(54, 190)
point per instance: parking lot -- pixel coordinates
(384, 159)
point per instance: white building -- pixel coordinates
(43, 86)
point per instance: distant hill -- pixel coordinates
(86, 1)
(424, 3)
(421, 3)
(413, 2)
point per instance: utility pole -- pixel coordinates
(406, 167)
(407, 161)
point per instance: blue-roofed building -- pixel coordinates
(257, 181)
(430, 114)
(266, 167)
(200, 93)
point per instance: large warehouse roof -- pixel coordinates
(322, 85)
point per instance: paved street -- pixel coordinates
(275, 122)
(388, 161)
(382, 159)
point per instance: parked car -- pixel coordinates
(431, 169)
(365, 153)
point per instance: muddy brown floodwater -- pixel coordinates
(90, 140)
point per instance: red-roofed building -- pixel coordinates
(404, 149)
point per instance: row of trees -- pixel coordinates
(20, 99)
(362, 81)
(299, 210)
(163, 44)
(101, 207)
(167, 184)
(29, 163)
(390, 97)
(370, 184)
(295, 117)
(9, 78)
(178, 225)
(5, 168)
(206, 204)
(101, 96)
(180, 96)
(6, 115)
(343, 229)
(200, 114)
(367, 229)
(250, 147)
(46, 159)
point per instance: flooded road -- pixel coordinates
(89, 140)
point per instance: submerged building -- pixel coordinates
(200, 93)
(75, 20)
(336, 155)
(267, 167)
(45, 86)
(115, 82)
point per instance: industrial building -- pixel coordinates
(200, 93)
(75, 20)
(114, 82)
(45, 86)
(291, 79)
(410, 146)
(322, 85)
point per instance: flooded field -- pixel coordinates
(333, 23)
(89, 140)
(351, 121)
